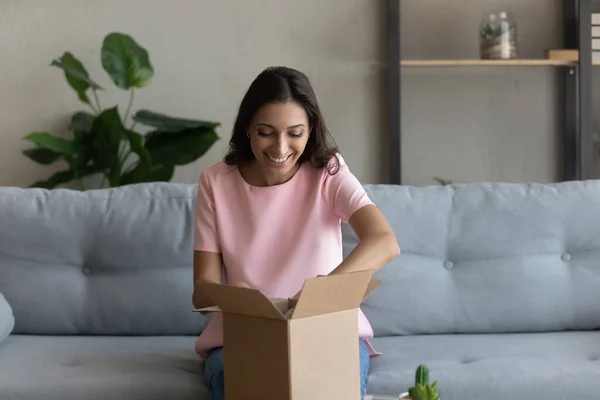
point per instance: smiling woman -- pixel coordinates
(281, 107)
(271, 212)
(278, 135)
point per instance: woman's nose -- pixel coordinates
(282, 146)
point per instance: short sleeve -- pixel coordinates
(205, 225)
(343, 191)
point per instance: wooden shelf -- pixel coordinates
(484, 63)
(481, 63)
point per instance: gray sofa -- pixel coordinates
(497, 290)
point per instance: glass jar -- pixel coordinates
(497, 36)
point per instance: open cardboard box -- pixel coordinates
(313, 354)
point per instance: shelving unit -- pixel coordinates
(481, 63)
(576, 99)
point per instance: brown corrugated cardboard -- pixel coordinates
(311, 355)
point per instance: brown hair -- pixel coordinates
(280, 85)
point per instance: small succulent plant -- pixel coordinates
(422, 390)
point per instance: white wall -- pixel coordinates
(465, 124)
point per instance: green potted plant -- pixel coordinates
(421, 390)
(104, 141)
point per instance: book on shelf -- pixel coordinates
(595, 37)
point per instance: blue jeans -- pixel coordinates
(213, 371)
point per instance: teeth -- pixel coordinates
(278, 159)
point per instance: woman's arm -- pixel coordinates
(377, 242)
(207, 268)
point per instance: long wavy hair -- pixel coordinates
(281, 85)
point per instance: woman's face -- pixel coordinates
(278, 135)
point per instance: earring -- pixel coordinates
(247, 134)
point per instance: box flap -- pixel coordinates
(240, 300)
(373, 284)
(327, 294)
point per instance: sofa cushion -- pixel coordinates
(492, 367)
(96, 367)
(7, 319)
(113, 261)
(488, 258)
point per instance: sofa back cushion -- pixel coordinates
(481, 258)
(114, 261)
(485, 258)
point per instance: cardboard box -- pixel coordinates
(311, 355)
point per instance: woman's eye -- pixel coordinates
(294, 134)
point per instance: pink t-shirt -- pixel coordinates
(275, 237)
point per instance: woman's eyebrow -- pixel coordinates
(271, 126)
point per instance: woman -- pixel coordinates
(271, 212)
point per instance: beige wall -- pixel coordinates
(205, 54)
(465, 124)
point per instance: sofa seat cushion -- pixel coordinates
(561, 365)
(7, 319)
(100, 367)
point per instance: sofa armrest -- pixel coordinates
(7, 319)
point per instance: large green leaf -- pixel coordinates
(85, 152)
(136, 142)
(107, 133)
(42, 156)
(81, 121)
(165, 123)
(179, 148)
(159, 173)
(76, 75)
(56, 179)
(145, 173)
(48, 141)
(65, 176)
(84, 155)
(125, 61)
